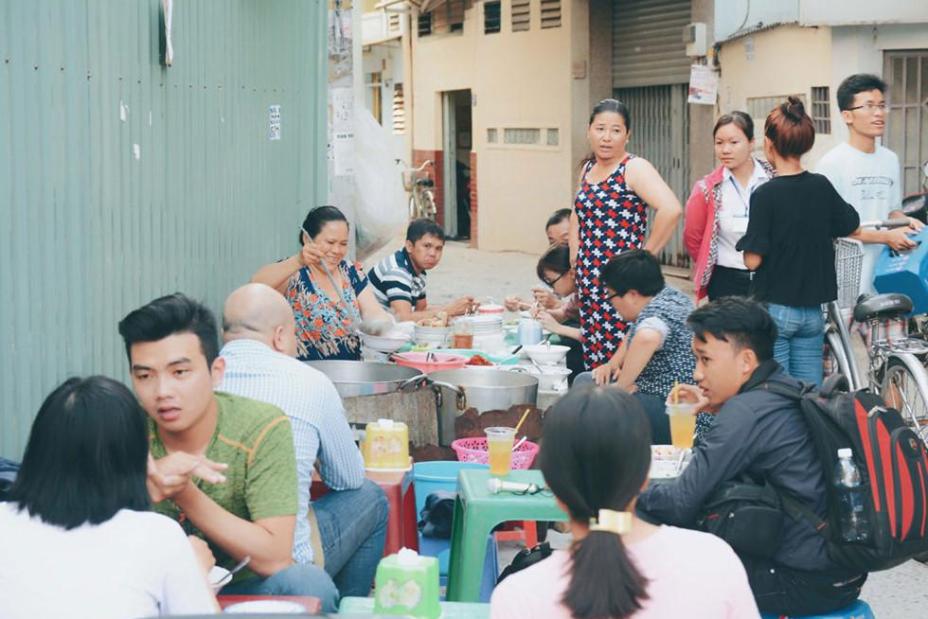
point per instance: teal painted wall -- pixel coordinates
(89, 230)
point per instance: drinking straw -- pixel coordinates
(676, 392)
(524, 415)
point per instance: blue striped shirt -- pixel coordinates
(320, 429)
(395, 279)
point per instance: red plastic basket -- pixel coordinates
(475, 450)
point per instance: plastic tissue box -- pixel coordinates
(407, 584)
(386, 445)
(905, 272)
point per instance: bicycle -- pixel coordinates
(895, 360)
(418, 184)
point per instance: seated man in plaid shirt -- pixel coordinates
(260, 354)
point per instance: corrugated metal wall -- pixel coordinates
(121, 180)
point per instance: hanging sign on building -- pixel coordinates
(704, 85)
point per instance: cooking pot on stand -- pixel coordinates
(479, 388)
(372, 391)
(361, 378)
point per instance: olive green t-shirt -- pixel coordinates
(256, 441)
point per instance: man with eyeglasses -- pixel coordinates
(865, 173)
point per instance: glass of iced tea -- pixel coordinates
(499, 447)
(682, 424)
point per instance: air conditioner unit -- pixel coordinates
(694, 35)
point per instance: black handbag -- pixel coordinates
(747, 515)
(526, 558)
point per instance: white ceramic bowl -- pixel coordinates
(550, 378)
(543, 354)
(437, 336)
(391, 342)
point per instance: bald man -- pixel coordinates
(260, 349)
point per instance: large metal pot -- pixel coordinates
(483, 389)
(360, 378)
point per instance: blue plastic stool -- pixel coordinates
(430, 477)
(438, 475)
(441, 548)
(857, 610)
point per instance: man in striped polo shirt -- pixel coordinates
(399, 279)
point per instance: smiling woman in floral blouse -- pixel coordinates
(329, 295)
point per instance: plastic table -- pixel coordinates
(476, 512)
(449, 610)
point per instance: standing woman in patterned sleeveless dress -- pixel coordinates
(610, 216)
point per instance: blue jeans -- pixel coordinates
(307, 580)
(653, 406)
(353, 528)
(800, 337)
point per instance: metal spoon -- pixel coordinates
(238, 567)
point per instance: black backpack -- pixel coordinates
(893, 465)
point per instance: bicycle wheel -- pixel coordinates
(429, 210)
(413, 207)
(900, 390)
(834, 357)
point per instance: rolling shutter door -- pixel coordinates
(647, 43)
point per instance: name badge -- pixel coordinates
(738, 224)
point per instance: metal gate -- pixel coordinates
(906, 73)
(660, 121)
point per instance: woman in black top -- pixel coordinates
(789, 242)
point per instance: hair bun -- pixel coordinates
(794, 108)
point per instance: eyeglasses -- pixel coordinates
(612, 296)
(532, 490)
(551, 282)
(870, 107)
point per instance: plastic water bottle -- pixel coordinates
(854, 525)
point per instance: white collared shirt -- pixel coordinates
(733, 213)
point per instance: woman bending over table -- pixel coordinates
(329, 296)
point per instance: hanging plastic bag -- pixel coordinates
(381, 212)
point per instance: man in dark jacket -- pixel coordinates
(762, 436)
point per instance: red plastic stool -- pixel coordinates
(401, 495)
(401, 524)
(528, 534)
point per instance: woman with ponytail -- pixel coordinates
(595, 459)
(793, 222)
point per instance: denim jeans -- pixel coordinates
(800, 337)
(653, 406)
(307, 580)
(353, 527)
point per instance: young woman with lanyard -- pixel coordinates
(611, 216)
(718, 208)
(329, 296)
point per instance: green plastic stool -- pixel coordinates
(476, 512)
(449, 610)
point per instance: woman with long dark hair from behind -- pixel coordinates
(595, 459)
(77, 537)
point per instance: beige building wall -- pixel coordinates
(778, 62)
(518, 80)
